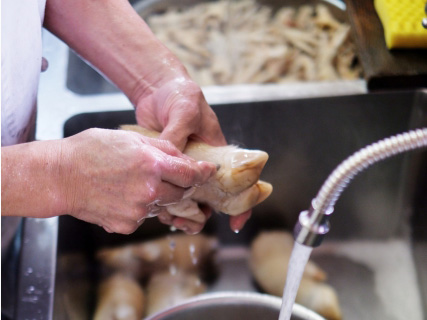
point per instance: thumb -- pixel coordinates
(176, 134)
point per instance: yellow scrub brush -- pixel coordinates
(403, 22)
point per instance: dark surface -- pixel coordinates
(384, 69)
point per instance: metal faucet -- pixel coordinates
(313, 224)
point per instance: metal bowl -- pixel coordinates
(232, 305)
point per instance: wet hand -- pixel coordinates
(116, 179)
(179, 111)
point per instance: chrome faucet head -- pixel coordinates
(312, 226)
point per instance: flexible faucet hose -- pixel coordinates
(362, 159)
(313, 224)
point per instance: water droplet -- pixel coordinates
(30, 290)
(31, 299)
(29, 271)
(152, 214)
(172, 269)
(192, 249)
(172, 244)
(236, 231)
(172, 229)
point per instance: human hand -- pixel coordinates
(115, 40)
(116, 178)
(180, 112)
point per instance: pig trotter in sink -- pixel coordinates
(234, 189)
(270, 254)
(143, 278)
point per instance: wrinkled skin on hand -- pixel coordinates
(179, 111)
(116, 179)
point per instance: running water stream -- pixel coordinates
(297, 263)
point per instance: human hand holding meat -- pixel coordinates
(234, 188)
(117, 179)
(180, 112)
(154, 80)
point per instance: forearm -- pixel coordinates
(30, 180)
(111, 36)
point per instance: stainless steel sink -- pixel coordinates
(376, 251)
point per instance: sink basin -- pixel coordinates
(375, 253)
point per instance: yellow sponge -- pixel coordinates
(401, 20)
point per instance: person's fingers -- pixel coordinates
(193, 225)
(178, 131)
(237, 222)
(166, 146)
(188, 226)
(165, 217)
(168, 194)
(122, 226)
(185, 173)
(178, 135)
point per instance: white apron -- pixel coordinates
(21, 58)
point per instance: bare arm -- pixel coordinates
(107, 177)
(112, 37)
(30, 183)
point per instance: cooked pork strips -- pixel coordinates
(234, 189)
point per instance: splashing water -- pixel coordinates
(193, 255)
(172, 246)
(297, 262)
